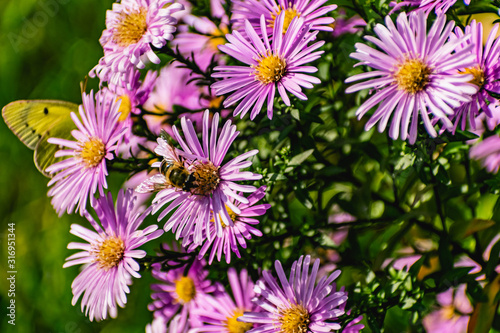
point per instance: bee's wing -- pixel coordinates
(155, 183)
(168, 152)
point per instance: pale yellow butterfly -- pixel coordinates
(35, 121)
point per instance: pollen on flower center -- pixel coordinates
(93, 151)
(295, 319)
(478, 75)
(185, 289)
(290, 13)
(412, 76)
(130, 28)
(235, 326)
(270, 69)
(109, 253)
(206, 177)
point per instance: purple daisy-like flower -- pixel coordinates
(353, 326)
(453, 316)
(235, 235)
(485, 71)
(310, 10)
(268, 66)
(202, 43)
(132, 27)
(488, 152)
(109, 256)
(176, 291)
(131, 97)
(298, 305)
(344, 25)
(221, 313)
(202, 183)
(135, 94)
(415, 73)
(84, 171)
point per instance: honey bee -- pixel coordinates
(177, 175)
(201, 178)
(173, 173)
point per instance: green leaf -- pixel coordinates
(300, 158)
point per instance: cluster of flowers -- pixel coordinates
(436, 75)
(297, 304)
(197, 192)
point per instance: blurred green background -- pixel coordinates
(48, 46)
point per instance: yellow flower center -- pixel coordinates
(218, 38)
(206, 177)
(290, 13)
(125, 107)
(109, 253)
(93, 151)
(271, 68)
(412, 76)
(215, 102)
(130, 28)
(295, 319)
(448, 312)
(185, 289)
(478, 74)
(232, 215)
(235, 326)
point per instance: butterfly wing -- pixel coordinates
(33, 122)
(44, 151)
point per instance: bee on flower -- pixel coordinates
(195, 180)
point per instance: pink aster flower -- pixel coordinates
(339, 235)
(202, 44)
(267, 66)
(176, 292)
(235, 235)
(135, 94)
(415, 73)
(220, 313)
(353, 326)
(131, 96)
(109, 256)
(84, 171)
(202, 182)
(175, 86)
(488, 152)
(453, 315)
(344, 25)
(485, 71)
(299, 304)
(132, 27)
(312, 11)
(201, 37)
